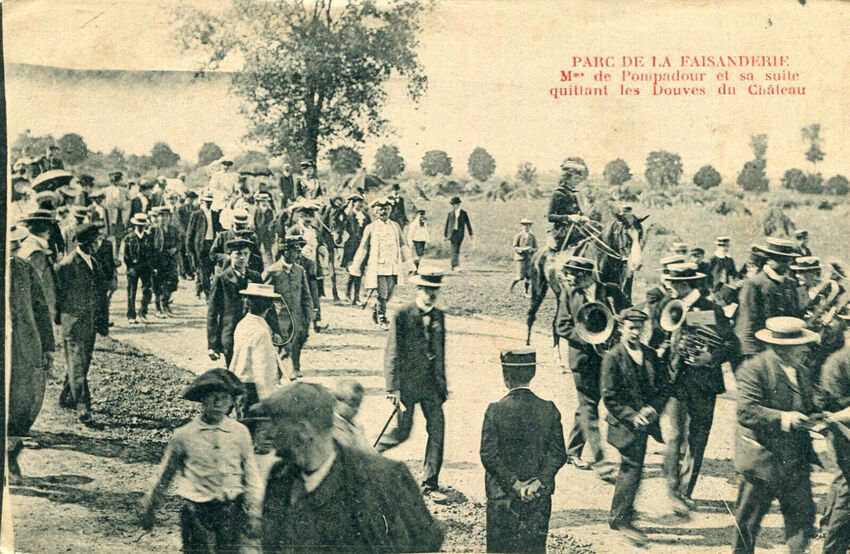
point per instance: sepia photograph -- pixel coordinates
(426, 276)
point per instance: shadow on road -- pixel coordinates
(148, 453)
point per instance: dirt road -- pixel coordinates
(83, 483)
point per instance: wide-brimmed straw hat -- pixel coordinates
(432, 278)
(259, 289)
(779, 248)
(786, 331)
(806, 263)
(139, 219)
(683, 272)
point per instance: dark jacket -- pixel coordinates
(626, 391)
(137, 207)
(570, 301)
(226, 308)
(563, 202)
(297, 312)
(78, 298)
(197, 231)
(413, 365)
(522, 438)
(138, 253)
(717, 267)
(220, 257)
(463, 225)
(762, 449)
(399, 214)
(354, 229)
(366, 503)
(759, 299)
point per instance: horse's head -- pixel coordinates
(629, 238)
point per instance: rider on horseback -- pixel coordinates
(563, 207)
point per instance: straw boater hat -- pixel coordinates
(207, 196)
(259, 289)
(579, 263)
(139, 219)
(838, 267)
(806, 263)
(432, 278)
(722, 241)
(38, 215)
(801, 233)
(779, 248)
(17, 233)
(525, 221)
(683, 272)
(218, 379)
(786, 331)
(680, 247)
(45, 196)
(240, 216)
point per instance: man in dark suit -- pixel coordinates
(835, 401)
(582, 288)
(721, 265)
(415, 371)
(522, 449)
(398, 212)
(324, 497)
(138, 259)
(78, 291)
(773, 449)
(226, 308)
(203, 226)
(635, 389)
(770, 293)
(697, 379)
(218, 250)
(184, 215)
(141, 203)
(457, 224)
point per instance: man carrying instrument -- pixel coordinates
(656, 298)
(563, 206)
(575, 324)
(701, 340)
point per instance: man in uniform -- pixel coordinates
(563, 205)
(585, 360)
(415, 371)
(721, 265)
(138, 259)
(635, 388)
(218, 252)
(657, 298)
(203, 227)
(457, 225)
(522, 449)
(141, 202)
(290, 282)
(697, 379)
(226, 308)
(770, 293)
(78, 290)
(773, 450)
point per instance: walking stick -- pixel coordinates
(366, 302)
(387, 424)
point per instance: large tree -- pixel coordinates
(311, 73)
(73, 148)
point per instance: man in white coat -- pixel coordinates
(383, 252)
(255, 359)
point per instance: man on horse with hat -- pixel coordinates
(770, 293)
(564, 206)
(307, 186)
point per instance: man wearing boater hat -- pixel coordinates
(139, 259)
(78, 305)
(415, 371)
(635, 388)
(834, 400)
(696, 380)
(35, 248)
(721, 265)
(583, 288)
(773, 450)
(770, 293)
(657, 298)
(522, 450)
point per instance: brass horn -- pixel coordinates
(673, 315)
(594, 323)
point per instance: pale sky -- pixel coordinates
(490, 67)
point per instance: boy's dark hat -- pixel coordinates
(420, 212)
(524, 356)
(238, 244)
(801, 233)
(218, 379)
(396, 186)
(633, 314)
(293, 241)
(455, 200)
(191, 194)
(115, 175)
(85, 180)
(697, 250)
(86, 233)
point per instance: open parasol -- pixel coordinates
(366, 181)
(52, 180)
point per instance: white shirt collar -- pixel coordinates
(423, 307)
(772, 274)
(138, 234)
(40, 242)
(86, 258)
(720, 253)
(313, 480)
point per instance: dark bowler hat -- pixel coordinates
(683, 272)
(786, 331)
(697, 250)
(432, 278)
(238, 244)
(801, 233)
(420, 212)
(115, 175)
(396, 186)
(163, 210)
(806, 263)
(633, 314)
(191, 194)
(579, 263)
(85, 180)
(86, 233)
(455, 200)
(780, 248)
(146, 185)
(218, 379)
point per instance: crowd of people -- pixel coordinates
(262, 259)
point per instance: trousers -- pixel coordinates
(455, 241)
(795, 502)
(386, 286)
(836, 520)
(628, 482)
(78, 354)
(516, 526)
(435, 424)
(684, 452)
(212, 527)
(146, 278)
(586, 420)
(204, 267)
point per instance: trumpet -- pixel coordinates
(695, 339)
(595, 325)
(824, 305)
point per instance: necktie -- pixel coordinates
(298, 490)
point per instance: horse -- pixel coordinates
(617, 250)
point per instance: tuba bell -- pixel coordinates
(595, 326)
(673, 315)
(695, 339)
